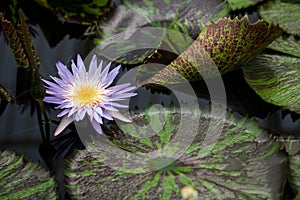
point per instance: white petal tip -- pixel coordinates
(56, 133)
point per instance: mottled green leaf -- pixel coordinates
(244, 163)
(81, 12)
(130, 45)
(175, 14)
(24, 180)
(239, 4)
(287, 15)
(294, 173)
(276, 79)
(289, 45)
(227, 44)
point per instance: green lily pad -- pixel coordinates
(227, 44)
(243, 164)
(294, 173)
(129, 38)
(275, 78)
(239, 4)
(24, 180)
(289, 45)
(78, 11)
(286, 14)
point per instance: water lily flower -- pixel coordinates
(81, 92)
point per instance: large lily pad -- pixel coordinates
(173, 14)
(289, 45)
(24, 180)
(228, 43)
(275, 78)
(294, 173)
(79, 12)
(239, 4)
(244, 163)
(286, 14)
(128, 36)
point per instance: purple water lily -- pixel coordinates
(82, 92)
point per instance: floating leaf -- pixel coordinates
(287, 15)
(294, 173)
(244, 163)
(24, 180)
(175, 12)
(128, 44)
(275, 79)
(228, 43)
(239, 4)
(79, 12)
(289, 45)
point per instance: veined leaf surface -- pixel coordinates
(24, 180)
(244, 163)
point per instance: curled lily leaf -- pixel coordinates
(228, 43)
(241, 165)
(4, 94)
(275, 78)
(136, 45)
(25, 54)
(5, 97)
(24, 180)
(287, 15)
(15, 42)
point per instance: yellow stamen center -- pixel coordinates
(88, 95)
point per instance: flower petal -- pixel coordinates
(92, 67)
(99, 70)
(53, 99)
(106, 115)
(111, 76)
(81, 68)
(115, 97)
(52, 85)
(119, 87)
(64, 112)
(110, 107)
(63, 124)
(119, 116)
(96, 126)
(98, 118)
(74, 68)
(114, 104)
(104, 73)
(64, 72)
